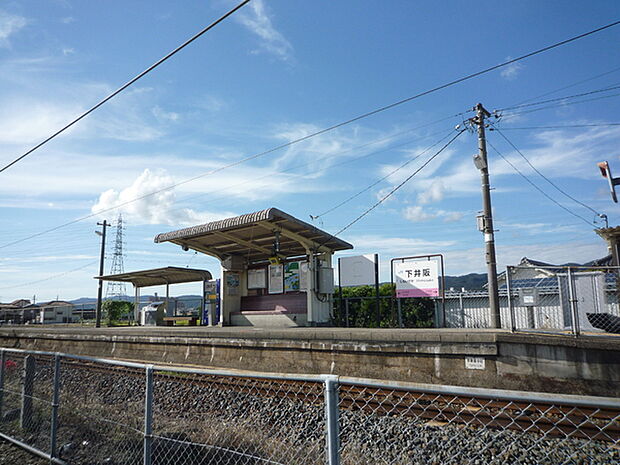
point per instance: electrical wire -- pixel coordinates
(514, 113)
(407, 179)
(56, 228)
(564, 126)
(589, 223)
(570, 85)
(322, 131)
(554, 185)
(557, 99)
(127, 84)
(410, 160)
(51, 277)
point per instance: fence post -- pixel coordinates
(332, 423)
(55, 405)
(148, 415)
(573, 302)
(25, 418)
(346, 312)
(511, 309)
(2, 368)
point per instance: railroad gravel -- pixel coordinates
(247, 421)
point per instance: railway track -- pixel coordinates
(549, 419)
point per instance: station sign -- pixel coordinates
(419, 278)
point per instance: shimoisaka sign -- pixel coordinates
(418, 278)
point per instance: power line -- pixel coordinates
(51, 277)
(564, 126)
(558, 188)
(322, 131)
(606, 89)
(570, 85)
(56, 228)
(589, 223)
(560, 105)
(129, 83)
(407, 179)
(410, 160)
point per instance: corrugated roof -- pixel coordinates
(159, 276)
(253, 236)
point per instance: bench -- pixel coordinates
(280, 303)
(171, 320)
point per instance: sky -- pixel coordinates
(278, 70)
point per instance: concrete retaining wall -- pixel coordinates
(482, 358)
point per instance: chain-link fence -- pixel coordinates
(86, 411)
(569, 299)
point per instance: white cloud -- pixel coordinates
(397, 245)
(259, 22)
(435, 193)
(158, 208)
(320, 152)
(417, 214)
(9, 25)
(163, 115)
(511, 71)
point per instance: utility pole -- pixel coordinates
(486, 220)
(105, 224)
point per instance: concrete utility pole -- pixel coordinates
(486, 226)
(105, 224)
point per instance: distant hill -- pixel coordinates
(471, 281)
(143, 298)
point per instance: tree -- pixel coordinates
(116, 310)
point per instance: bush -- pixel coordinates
(116, 310)
(416, 312)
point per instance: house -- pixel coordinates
(56, 311)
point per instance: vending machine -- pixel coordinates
(211, 307)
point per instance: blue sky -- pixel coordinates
(274, 72)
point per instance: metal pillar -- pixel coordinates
(573, 302)
(377, 298)
(332, 438)
(148, 416)
(55, 405)
(2, 368)
(511, 309)
(136, 305)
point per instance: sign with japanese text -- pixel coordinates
(419, 278)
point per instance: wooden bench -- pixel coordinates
(171, 320)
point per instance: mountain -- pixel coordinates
(471, 281)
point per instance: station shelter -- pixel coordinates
(165, 277)
(276, 269)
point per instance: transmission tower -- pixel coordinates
(115, 290)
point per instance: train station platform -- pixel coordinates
(588, 365)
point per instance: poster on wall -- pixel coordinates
(303, 276)
(257, 279)
(232, 283)
(276, 279)
(291, 277)
(418, 278)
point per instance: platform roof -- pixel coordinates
(253, 235)
(159, 276)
